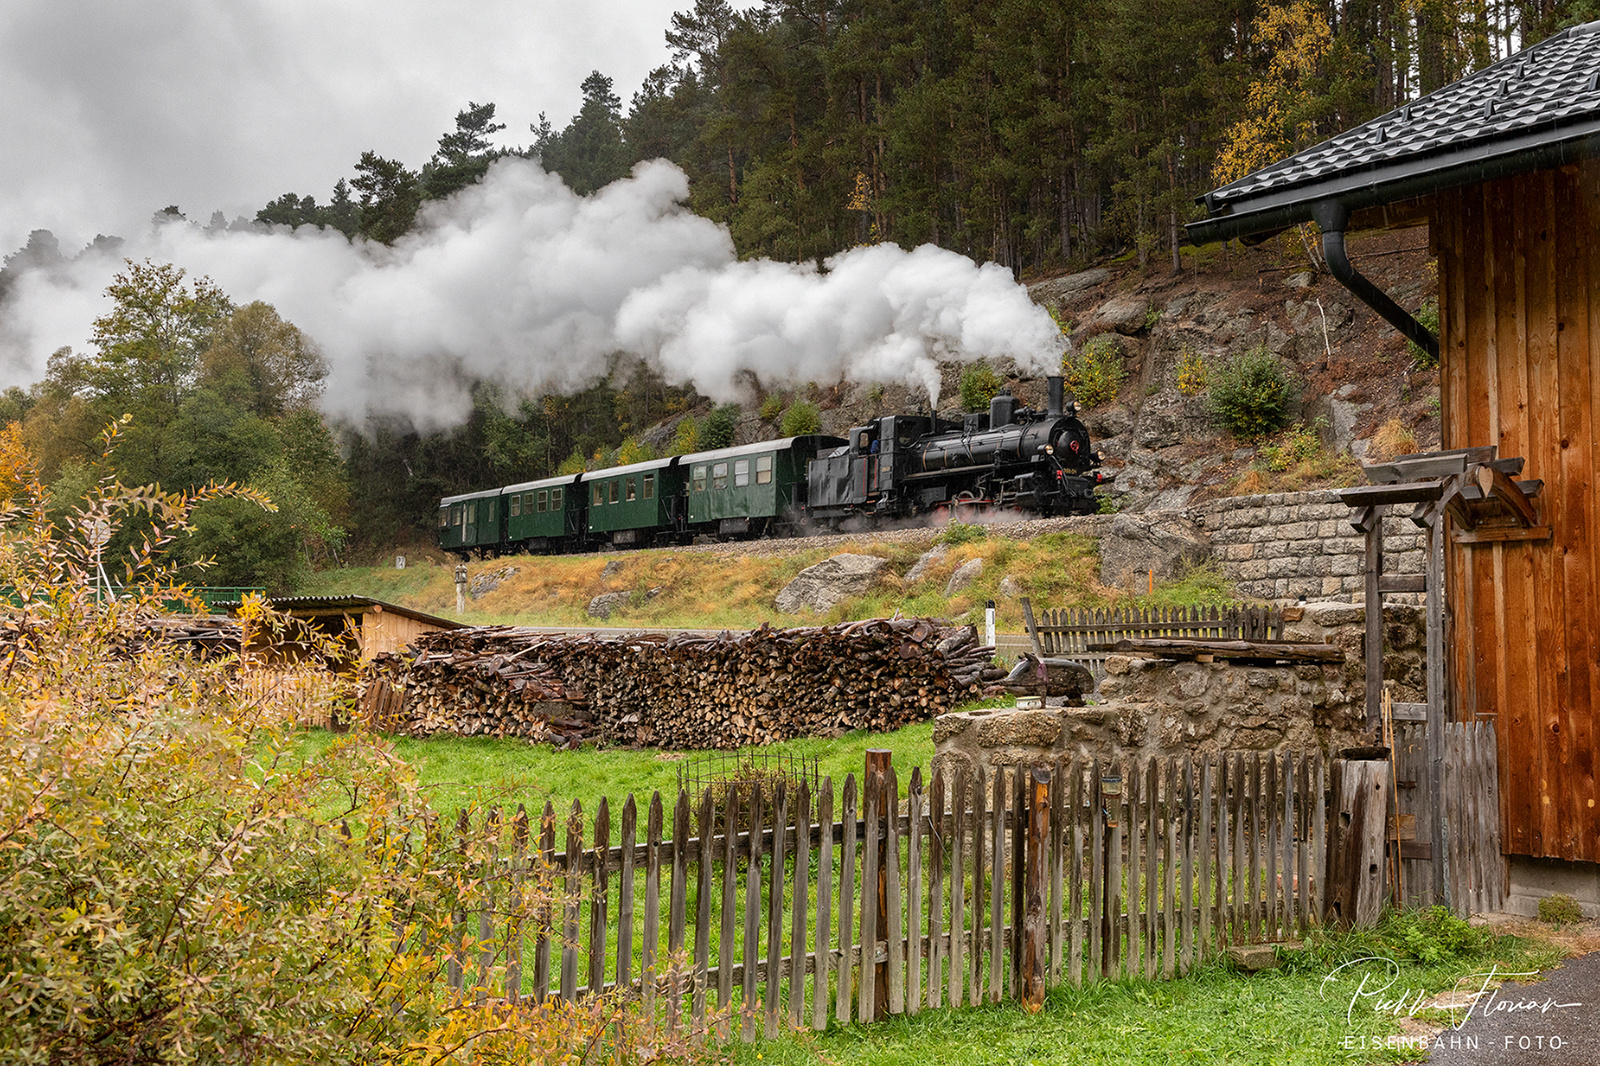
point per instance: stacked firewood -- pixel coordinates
(681, 691)
(204, 636)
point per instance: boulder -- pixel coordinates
(818, 588)
(965, 574)
(1010, 587)
(1071, 285)
(607, 603)
(490, 580)
(1163, 542)
(1125, 313)
(925, 562)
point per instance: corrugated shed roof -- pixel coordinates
(1545, 96)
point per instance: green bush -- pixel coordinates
(962, 533)
(1428, 315)
(719, 428)
(801, 418)
(1559, 909)
(179, 883)
(1095, 374)
(1295, 446)
(686, 438)
(1251, 394)
(771, 407)
(979, 384)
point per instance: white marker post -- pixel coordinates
(988, 624)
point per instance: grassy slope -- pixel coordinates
(699, 590)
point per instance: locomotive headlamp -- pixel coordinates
(1049, 449)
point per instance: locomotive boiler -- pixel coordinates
(1011, 457)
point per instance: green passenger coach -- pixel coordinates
(632, 504)
(471, 523)
(544, 515)
(750, 489)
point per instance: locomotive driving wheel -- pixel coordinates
(966, 507)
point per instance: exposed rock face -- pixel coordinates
(490, 580)
(608, 603)
(1162, 542)
(1010, 587)
(927, 561)
(817, 588)
(965, 574)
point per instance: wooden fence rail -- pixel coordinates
(1066, 633)
(759, 911)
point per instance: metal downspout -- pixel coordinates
(1332, 216)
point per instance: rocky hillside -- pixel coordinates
(1354, 371)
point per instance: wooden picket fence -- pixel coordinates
(761, 911)
(1067, 632)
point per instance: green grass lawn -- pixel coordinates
(478, 772)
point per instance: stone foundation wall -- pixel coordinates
(1300, 544)
(1156, 707)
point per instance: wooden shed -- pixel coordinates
(1502, 167)
(377, 626)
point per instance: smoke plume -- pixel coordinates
(520, 281)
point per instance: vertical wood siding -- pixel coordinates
(1518, 277)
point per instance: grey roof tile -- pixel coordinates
(1539, 92)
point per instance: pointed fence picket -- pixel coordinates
(758, 910)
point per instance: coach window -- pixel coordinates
(719, 476)
(444, 518)
(632, 492)
(599, 493)
(456, 515)
(542, 501)
(492, 509)
(472, 513)
(763, 470)
(649, 486)
(611, 493)
(516, 506)
(699, 478)
(555, 499)
(741, 473)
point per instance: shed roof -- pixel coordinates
(1536, 109)
(313, 605)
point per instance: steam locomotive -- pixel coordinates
(897, 468)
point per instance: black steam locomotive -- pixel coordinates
(897, 468)
(1011, 458)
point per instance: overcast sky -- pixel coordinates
(113, 108)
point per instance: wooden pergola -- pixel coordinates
(1486, 501)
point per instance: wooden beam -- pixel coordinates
(1493, 483)
(1404, 492)
(1176, 648)
(1500, 534)
(1409, 712)
(1403, 583)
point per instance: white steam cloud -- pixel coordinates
(520, 281)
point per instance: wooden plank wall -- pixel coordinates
(713, 910)
(1519, 284)
(1067, 632)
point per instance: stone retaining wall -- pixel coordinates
(1300, 544)
(1156, 707)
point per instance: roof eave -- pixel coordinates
(1402, 180)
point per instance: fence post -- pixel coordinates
(1033, 920)
(877, 779)
(1356, 840)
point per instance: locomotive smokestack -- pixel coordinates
(1057, 401)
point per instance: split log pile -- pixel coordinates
(681, 691)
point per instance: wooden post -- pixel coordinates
(1033, 917)
(1370, 522)
(1356, 840)
(877, 778)
(1434, 737)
